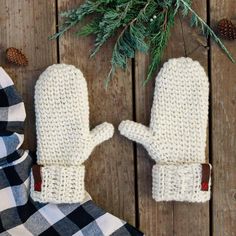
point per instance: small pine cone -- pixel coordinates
(226, 29)
(15, 56)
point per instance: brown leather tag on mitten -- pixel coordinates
(206, 171)
(36, 169)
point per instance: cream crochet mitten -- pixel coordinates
(176, 137)
(64, 139)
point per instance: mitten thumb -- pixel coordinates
(101, 133)
(136, 132)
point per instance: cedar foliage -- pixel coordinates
(140, 25)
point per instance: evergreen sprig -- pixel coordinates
(139, 25)
(197, 21)
(159, 39)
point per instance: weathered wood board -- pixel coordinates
(118, 174)
(223, 129)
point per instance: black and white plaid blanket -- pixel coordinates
(12, 116)
(19, 214)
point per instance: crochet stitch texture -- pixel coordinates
(176, 137)
(64, 139)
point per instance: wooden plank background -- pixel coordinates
(118, 174)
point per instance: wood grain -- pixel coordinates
(223, 128)
(168, 218)
(26, 24)
(119, 174)
(110, 170)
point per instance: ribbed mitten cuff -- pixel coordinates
(182, 182)
(59, 184)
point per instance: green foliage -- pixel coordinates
(138, 25)
(74, 16)
(159, 39)
(130, 40)
(197, 21)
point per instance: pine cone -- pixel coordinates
(227, 29)
(15, 56)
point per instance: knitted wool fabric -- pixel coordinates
(64, 140)
(176, 137)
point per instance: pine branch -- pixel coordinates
(90, 28)
(111, 21)
(130, 39)
(206, 30)
(159, 41)
(74, 16)
(142, 25)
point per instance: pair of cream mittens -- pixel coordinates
(175, 139)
